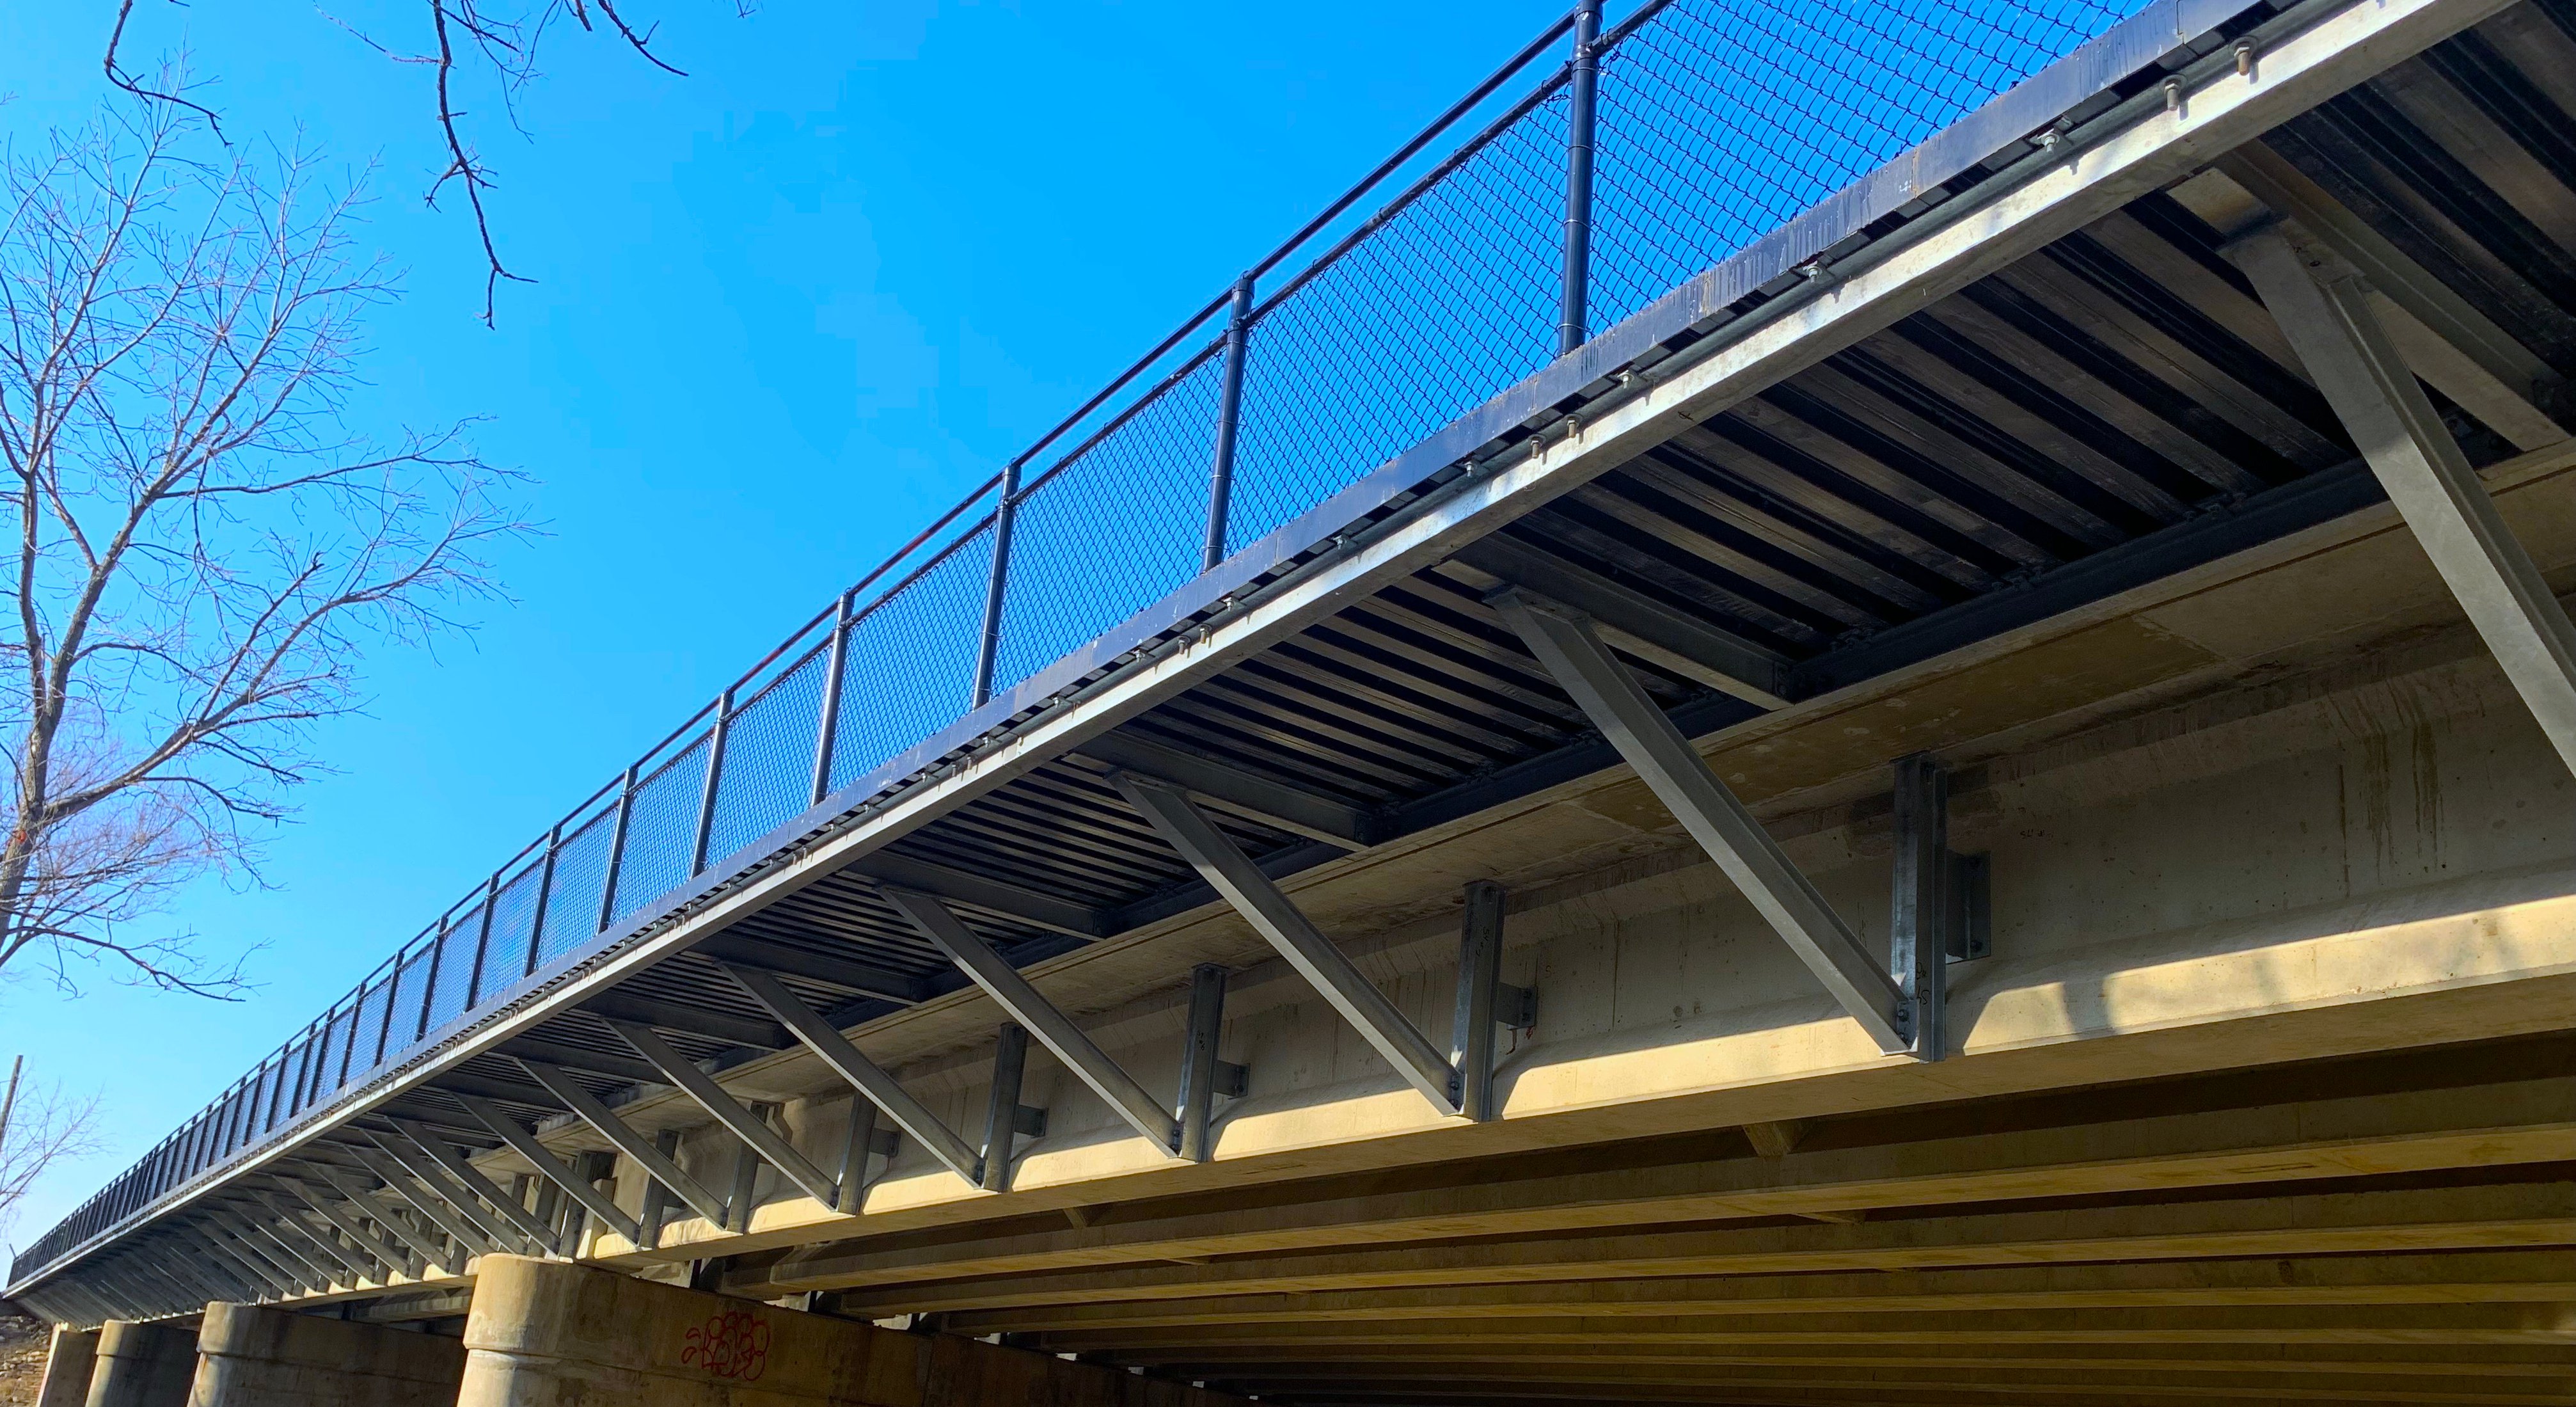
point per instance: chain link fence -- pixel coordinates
(1716, 121)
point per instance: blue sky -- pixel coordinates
(788, 308)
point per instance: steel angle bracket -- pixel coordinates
(1279, 921)
(1899, 1005)
(870, 1079)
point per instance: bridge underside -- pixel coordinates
(2257, 1083)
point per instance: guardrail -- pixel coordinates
(1647, 155)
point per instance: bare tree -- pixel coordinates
(39, 1127)
(497, 41)
(203, 543)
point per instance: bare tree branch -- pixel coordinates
(40, 1126)
(495, 42)
(203, 545)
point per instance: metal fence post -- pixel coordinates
(1229, 415)
(616, 852)
(989, 648)
(827, 730)
(545, 893)
(482, 940)
(1573, 326)
(714, 779)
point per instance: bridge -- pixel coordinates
(1826, 705)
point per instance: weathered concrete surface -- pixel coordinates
(143, 1365)
(549, 1334)
(69, 1363)
(252, 1356)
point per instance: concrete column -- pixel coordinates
(67, 1368)
(251, 1356)
(552, 1334)
(143, 1365)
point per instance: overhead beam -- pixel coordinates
(554, 1170)
(1277, 919)
(1638, 623)
(440, 1207)
(426, 1246)
(1090, 1064)
(367, 1258)
(573, 1057)
(2441, 335)
(2348, 354)
(1572, 652)
(868, 979)
(696, 1021)
(271, 1279)
(430, 1145)
(749, 1127)
(864, 1075)
(294, 1260)
(355, 1227)
(1000, 896)
(1275, 804)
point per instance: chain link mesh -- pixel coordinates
(1439, 308)
(573, 898)
(910, 663)
(1148, 475)
(1722, 119)
(768, 771)
(514, 920)
(661, 830)
(453, 989)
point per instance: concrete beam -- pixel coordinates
(256, 1357)
(573, 1336)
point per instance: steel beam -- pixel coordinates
(1919, 907)
(1272, 803)
(1565, 642)
(430, 1251)
(697, 1021)
(291, 1262)
(1055, 1030)
(866, 978)
(573, 1057)
(1203, 1075)
(621, 1135)
(962, 887)
(363, 1261)
(1276, 918)
(863, 1074)
(555, 1173)
(1002, 1107)
(355, 1228)
(1639, 624)
(443, 1156)
(751, 1129)
(2348, 354)
(426, 1198)
(1484, 1000)
(257, 1272)
(2441, 335)
(657, 1198)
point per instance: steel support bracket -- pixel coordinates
(1278, 920)
(445, 1158)
(864, 1075)
(1573, 653)
(553, 1170)
(1055, 1030)
(746, 1125)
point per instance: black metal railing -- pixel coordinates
(1643, 157)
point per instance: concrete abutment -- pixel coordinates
(69, 1362)
(552, 1334)
(251, 1356)
(143, 1365)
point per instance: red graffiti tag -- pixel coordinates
(733, 1344)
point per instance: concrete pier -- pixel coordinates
(69, 1362)
(250, 1356)
(562, 1335)
(143, 1365)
